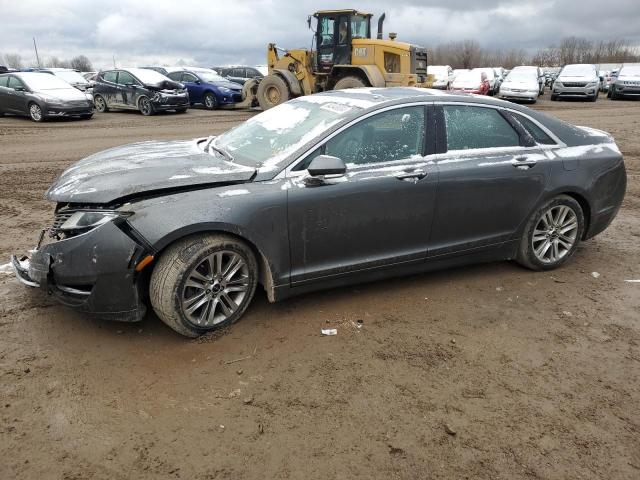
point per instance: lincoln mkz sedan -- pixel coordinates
(322, 191)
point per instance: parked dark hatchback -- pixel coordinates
(322, 191)
(41, 96)
(141, 89)
(238, 74)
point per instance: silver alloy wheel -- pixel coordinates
(209, 101)
(555, 234)
(215, 288)
(145, 106)
(36, 112)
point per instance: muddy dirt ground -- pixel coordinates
(538, 374)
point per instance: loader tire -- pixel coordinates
(272, 91)
(349, 82)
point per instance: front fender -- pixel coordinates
(255, 212)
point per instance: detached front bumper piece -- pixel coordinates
(93, 272)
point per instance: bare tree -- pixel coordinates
(13, 60)
(81, 63)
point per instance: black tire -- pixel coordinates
(35, 112)
(350, 81)
(272, 91)
(554, 98)
(181, 110)
(210, 101)
(86, 116)
(100, 104)
(526, 255)
(176, 266)
(594, 98)
(145, 107)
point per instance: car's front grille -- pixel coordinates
(574, 84)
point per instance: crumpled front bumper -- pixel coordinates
(93, 272)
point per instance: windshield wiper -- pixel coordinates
(221, 151)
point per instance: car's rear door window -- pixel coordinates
(469, 127)
(392, 135)
(176, 76)
(4, 81)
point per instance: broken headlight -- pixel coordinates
(88, 220)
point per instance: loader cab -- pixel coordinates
(334, 33)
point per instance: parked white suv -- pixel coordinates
(577, 81)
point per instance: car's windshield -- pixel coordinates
(147, 76)
(44, 81)
(209, 75)
(631, 71)
(266, 139)
(71, 76)
(578, 71)
(521, 76)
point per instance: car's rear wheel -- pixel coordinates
(552, 234)
(100, 104)
(203, 282)
(35, 112)
(210, 101)
(145, 107)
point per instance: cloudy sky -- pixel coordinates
(216, 32)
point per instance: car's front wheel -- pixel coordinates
(203, 282)
(35, 112)
(210, 101)
(552, 234)
(145, 107)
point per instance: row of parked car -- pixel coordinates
(527, 83)
(56, 92)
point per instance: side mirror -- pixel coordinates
(326, 165)
(197, 82)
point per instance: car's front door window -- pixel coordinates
(188, 77)
(392, 135)
(15, 83)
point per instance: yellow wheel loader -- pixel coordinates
(343, 55)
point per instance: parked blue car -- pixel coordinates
(206, 87)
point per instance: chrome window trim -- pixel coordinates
(289, 173)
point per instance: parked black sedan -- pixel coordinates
(140, 89)
(41, 96)
(322, 191)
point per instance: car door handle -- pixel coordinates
(416, 174)
(523, 162)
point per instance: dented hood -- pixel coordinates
(141, 168)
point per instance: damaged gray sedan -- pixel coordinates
(322, 191)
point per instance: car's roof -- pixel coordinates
(378, 97)
(28, 74)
